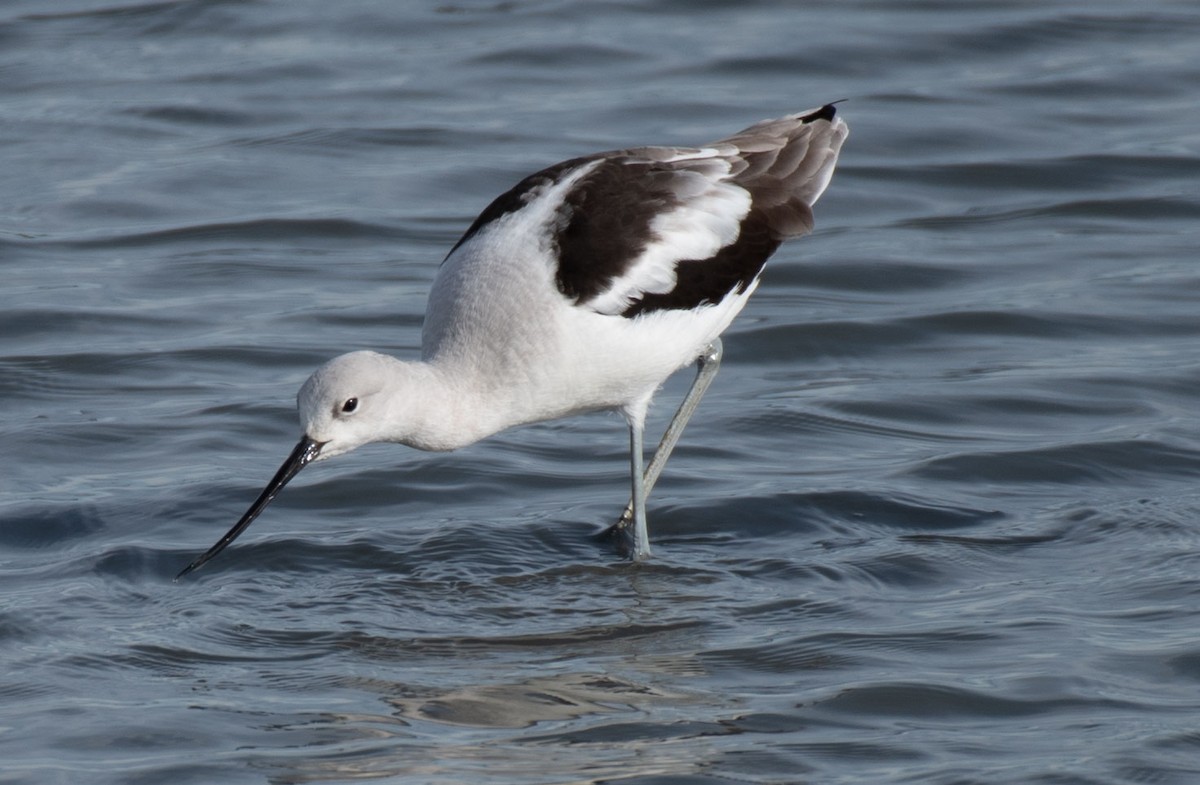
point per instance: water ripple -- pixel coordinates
(934, 522)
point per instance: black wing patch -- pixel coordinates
(706, 281)
(606, 226)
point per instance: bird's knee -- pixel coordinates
(711, 354)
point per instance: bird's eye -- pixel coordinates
(350, 406)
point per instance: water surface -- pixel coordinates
(936, 522)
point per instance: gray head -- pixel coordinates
(342, 406)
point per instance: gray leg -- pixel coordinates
(641, 535)
(636, 544)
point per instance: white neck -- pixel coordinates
(438, 407)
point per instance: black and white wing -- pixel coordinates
(653, 228)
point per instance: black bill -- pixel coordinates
(305, 452)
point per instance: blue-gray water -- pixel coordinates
(938, 521)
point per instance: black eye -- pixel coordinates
(350, 405)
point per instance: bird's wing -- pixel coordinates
(655, 228)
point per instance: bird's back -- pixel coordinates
(658, 243)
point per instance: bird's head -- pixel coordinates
(342, 406)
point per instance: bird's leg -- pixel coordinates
(635, 544)
(637, 502)
(707, 365)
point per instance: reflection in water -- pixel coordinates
(451, 735)
(530, 702)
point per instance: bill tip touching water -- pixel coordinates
(580, 289)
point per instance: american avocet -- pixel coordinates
(581, 289)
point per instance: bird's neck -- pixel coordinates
(439, 407)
